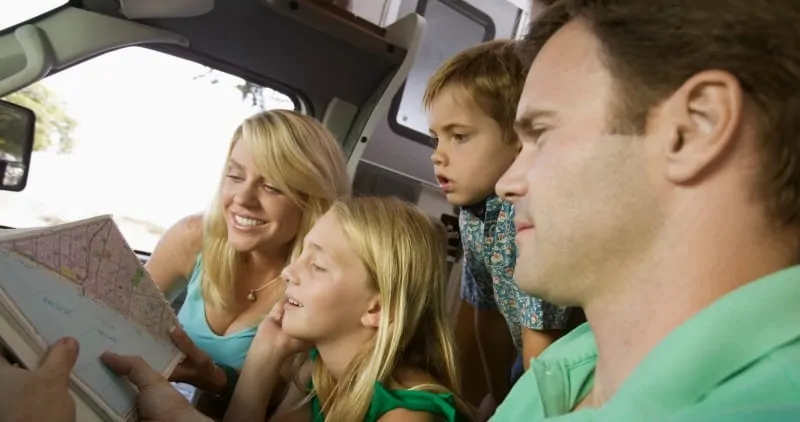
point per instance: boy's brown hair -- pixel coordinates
(652, 47)
(491, 73)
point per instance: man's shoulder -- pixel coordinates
(773, 379)
(736, 413)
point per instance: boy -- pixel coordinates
(471, 102)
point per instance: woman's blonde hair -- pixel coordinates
(301, 158)
(404, 253)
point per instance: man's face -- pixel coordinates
(582, 196)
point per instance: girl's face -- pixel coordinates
(329, 290)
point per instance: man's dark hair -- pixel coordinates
(651, 47)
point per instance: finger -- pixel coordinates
(60, 359)
(186, 345)
(134, 368)
(180, 373)
(276, 314)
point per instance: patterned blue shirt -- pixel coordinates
(490, 254)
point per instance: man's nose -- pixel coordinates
(513, 184)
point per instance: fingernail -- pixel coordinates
(70, 343)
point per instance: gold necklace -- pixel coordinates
(252, 295)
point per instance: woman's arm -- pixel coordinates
(174, 256)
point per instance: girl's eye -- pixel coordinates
(235, 177)
(459, 137)
(317, 268)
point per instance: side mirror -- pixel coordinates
(17, 130)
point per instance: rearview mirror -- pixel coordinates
(17, 126)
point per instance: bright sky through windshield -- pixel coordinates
(13, 12)
(151, 140)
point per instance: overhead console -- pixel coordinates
(341, 24)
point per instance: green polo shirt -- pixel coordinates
(737, 360)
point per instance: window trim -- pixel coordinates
(469, 11)
(301, 102)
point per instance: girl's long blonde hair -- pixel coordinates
(405, 256)
(302, 159)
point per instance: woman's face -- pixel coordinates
(258, 215)
(328, 287)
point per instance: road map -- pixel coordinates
(82, 280)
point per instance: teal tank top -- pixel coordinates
(229, 349)
(385, 400)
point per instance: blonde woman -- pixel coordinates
(282, 172)
(368, 294)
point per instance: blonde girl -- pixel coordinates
(367, 297)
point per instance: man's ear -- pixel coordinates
(703, 116)
(372, 318)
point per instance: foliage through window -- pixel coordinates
(135, 133)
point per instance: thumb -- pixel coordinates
(134, 368)
(60, 359)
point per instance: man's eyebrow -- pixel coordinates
(529, 117)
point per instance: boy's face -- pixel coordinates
(471, 153)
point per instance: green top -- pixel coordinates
(385, 400)
(737, 360)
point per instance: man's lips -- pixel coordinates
(522, 226)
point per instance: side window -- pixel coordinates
(135, 133)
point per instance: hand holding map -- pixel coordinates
(82, 280)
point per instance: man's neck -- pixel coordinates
(686, 272)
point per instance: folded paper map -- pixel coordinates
(82, 280)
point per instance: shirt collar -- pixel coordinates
(487, 209)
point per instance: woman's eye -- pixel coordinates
(317, 268)
(271, 189)
(460, 137)
(235, 178)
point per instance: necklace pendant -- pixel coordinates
(251, 296)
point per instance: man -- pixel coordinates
(658, 187)
(23, 392)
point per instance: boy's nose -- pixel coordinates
(437, 158)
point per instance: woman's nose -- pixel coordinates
(245, 195)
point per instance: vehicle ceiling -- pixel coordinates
(261, 44)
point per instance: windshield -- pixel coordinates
(135, 133)
(16, 12)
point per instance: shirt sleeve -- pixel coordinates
(536, 314)
(476, 291)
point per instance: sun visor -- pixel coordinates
(140, 9)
